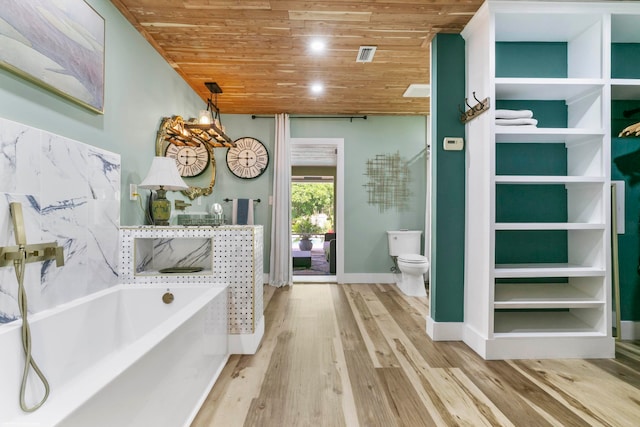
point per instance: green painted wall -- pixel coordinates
(448, 175)
(140, 88)
(518, 59)
(625, 159)
(366, 249)
(624, 60)
(625, 166)
(532, 203)
(230, 186)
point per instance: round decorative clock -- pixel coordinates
(191, 160)
(248, 159)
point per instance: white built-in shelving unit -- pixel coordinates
(537, 273)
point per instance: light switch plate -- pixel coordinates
(133, 192)
(452, 144)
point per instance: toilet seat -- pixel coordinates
(412, 259)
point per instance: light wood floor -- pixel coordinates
(358, 355)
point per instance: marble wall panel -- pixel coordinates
(70, 194)
(156, 254)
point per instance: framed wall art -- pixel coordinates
(58, 45)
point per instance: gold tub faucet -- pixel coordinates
(36, 252)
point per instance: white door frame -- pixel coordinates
(339, 185)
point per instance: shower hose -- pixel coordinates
(19, 265)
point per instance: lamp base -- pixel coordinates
(161, 208)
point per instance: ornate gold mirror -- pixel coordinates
(175, 131)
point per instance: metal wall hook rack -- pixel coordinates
(475, 110)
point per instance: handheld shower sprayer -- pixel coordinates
(18, 223)
(19, 256)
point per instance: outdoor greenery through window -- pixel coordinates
(311, 209)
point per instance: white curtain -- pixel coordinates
(281, 267)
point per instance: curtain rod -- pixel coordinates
(311, 117)
(231, 200)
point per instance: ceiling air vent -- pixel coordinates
(365, 53)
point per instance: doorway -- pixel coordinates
(317, 165)
(313, 244)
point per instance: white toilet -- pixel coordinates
(404, 247)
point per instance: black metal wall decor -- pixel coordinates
(389, 179)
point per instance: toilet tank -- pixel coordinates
(404, 242)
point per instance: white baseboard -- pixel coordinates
(539, 347)
(246, 343)
(550, 348)
(629, 330)
(314, 279)
(356, 278)
(475, 340)
(368, 278)
(444, 331)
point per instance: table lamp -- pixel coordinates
(162, 177)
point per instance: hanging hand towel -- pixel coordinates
(242, 212)
(516, 122)
(514, 114)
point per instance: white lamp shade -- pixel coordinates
(163, 173)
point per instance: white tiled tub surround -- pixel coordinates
(228, 255)
(70, 193)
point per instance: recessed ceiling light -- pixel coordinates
(317, 45)
(317, 88)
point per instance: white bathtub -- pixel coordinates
(120, 357)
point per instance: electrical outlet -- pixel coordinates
(133, 192)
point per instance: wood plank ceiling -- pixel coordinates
(258, 50)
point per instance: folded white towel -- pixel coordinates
(514, 114)
(516, 122)
(519, 126)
